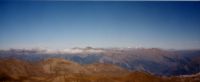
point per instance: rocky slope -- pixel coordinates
(61, 70)
(152, 60)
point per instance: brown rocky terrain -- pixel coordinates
(61, 70)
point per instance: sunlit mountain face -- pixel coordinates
(100, 64)
(152, 60)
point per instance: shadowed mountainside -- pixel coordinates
(152, 60)
(61, 70)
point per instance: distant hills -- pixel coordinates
(61, 70)
(151, 60)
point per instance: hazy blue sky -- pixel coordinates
(60, 25)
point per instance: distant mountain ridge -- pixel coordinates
(152, 60)
(61, 70)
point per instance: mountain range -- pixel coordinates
(61, 70)
(154, 61)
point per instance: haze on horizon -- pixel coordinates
(57, 25)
